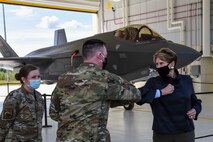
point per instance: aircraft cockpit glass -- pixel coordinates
(137, 33)
(129, 33)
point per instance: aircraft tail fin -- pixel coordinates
(5, 49)
(60, 37)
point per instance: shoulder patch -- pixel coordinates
(8, 112)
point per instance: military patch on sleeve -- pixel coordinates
(8, 112)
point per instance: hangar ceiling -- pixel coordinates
(90, 6)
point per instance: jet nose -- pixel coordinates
(185, 54)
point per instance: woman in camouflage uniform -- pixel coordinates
(21, 117)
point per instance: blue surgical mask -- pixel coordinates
(34, 83)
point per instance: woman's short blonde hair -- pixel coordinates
(165, 54)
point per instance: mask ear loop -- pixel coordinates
(102, 55)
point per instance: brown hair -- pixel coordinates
(24, 71)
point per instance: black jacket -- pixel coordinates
(169, 111)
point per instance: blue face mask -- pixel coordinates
(34, 83)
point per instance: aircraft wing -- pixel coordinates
(18, 61)
(15, 63)
(5, 49)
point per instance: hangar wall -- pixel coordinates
(180, 21)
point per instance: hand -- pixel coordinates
(191, 113)
(169, 89)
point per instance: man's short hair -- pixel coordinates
(90, 47)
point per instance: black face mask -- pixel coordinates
(104, 63)
(163, 71)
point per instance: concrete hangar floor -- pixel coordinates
(135, 125)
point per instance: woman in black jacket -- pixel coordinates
(173, 113)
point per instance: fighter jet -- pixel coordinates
(130, 51)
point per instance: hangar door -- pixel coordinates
(90, 6)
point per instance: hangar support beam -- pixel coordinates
(82, 6)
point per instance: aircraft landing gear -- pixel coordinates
(129, 106)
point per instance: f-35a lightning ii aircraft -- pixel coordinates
(130, 50)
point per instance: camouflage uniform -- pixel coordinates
(81, 101)
(21, 117)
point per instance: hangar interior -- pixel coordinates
(187, 22)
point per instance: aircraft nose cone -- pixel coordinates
(185, 54)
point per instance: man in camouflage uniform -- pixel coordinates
(21, 117)
(81, 100)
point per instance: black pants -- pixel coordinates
(183, 137)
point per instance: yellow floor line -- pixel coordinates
(205, 117)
